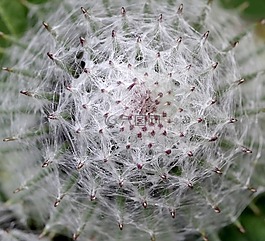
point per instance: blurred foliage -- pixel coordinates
(252, 220)
(13, 19)
(252, 9)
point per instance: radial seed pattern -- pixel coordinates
(137, 113)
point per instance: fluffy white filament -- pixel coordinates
(134, 117)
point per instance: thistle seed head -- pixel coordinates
(135, 119)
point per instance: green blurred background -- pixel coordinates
(13, 22)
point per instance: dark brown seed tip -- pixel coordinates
(205, 36)
(50, 55)
(7, 69)
(82, 41)
(252, 189)
(233, 120)
(93, 197)
(17, 190)
(113, 33)
(121, 226)
(214, 138)
(214, 65)
(9, 139)
(240, 81)
(84, 11)
(180, 9)
(179, 39)
(46, 163)
(235, 44)
(123, 11)
(164, 176)
(80, 165)
(139, 166)
(173, 213)
(46, 25)
(25, 92)
(75, 236)
(218, 171)
(217, 209)
(199, 120)
(246, 150)
(56, 203)
(160, 18)
(153, 238)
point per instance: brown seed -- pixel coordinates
(93, 197)
(199, 120)
(217, 209)
(113, 33)
(218, 171)
(235, 44)
(252, 189)
(9, 139)
(215, 65)
(50, 55)
(75, 236)
(246, 150)
(123, 11)
(181, 134)
(7, 69)
(57, 202)
(120, 226)
(173, 213)
(82, 41)
(160, 18)
(205, 36)
(214, 138)
(17, 190)
(232, 120)
(163, 176)
(180, 9)
(80, 165)
(46, 163)
(84, 11)
(192, 88)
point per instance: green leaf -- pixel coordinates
(254, 9)
(253, 224)
(13, 16)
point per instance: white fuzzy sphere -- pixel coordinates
(132, 119)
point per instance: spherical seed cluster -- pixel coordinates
(136, 112)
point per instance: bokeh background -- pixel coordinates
(13, 22)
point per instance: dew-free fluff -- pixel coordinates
(133, 120)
